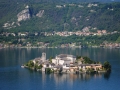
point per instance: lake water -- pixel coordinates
(13, 77)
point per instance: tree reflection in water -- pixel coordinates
(107, 75)
(71, 77)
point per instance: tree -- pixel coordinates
(78, 57)
(48, 70)
(118, 39)
(107, 66)
(38, 66)
(51, 59)
(30, 64)
(87, 60)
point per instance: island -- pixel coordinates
(64, 63)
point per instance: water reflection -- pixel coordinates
(71, 78)
(107, 75)
(13, 77)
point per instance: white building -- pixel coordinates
(63, 59)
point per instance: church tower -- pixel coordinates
(43, 57)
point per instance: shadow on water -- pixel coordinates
(72, 76)
(59, 78)
(107, 75)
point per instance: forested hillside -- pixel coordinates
(60, 16)
(48, 23)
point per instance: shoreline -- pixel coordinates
(64, 63)
(78, 72)
(64, 47)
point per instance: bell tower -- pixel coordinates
(43, 57)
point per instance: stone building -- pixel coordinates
(63, 59)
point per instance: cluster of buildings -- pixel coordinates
(66, 64)
(84, 32)
(110, 45)
(21, 38)
(81, 6)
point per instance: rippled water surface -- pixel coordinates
(13, 77)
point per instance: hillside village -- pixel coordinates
(64, 63)
(65, 25)
(22, 37)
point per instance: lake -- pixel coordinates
(13, 77)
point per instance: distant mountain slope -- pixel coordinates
(8, 10)
(16, 16)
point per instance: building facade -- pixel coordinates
(63, 59)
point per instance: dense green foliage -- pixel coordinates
(9, 10)
(58, 40)
(70, 18)
(38, 67)
(85, 60)
(88, 40)
(48, 70)
(90, 70)
(31, 65)
(107, 66)
(50, 59)
(88, 61)
(67, 17)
